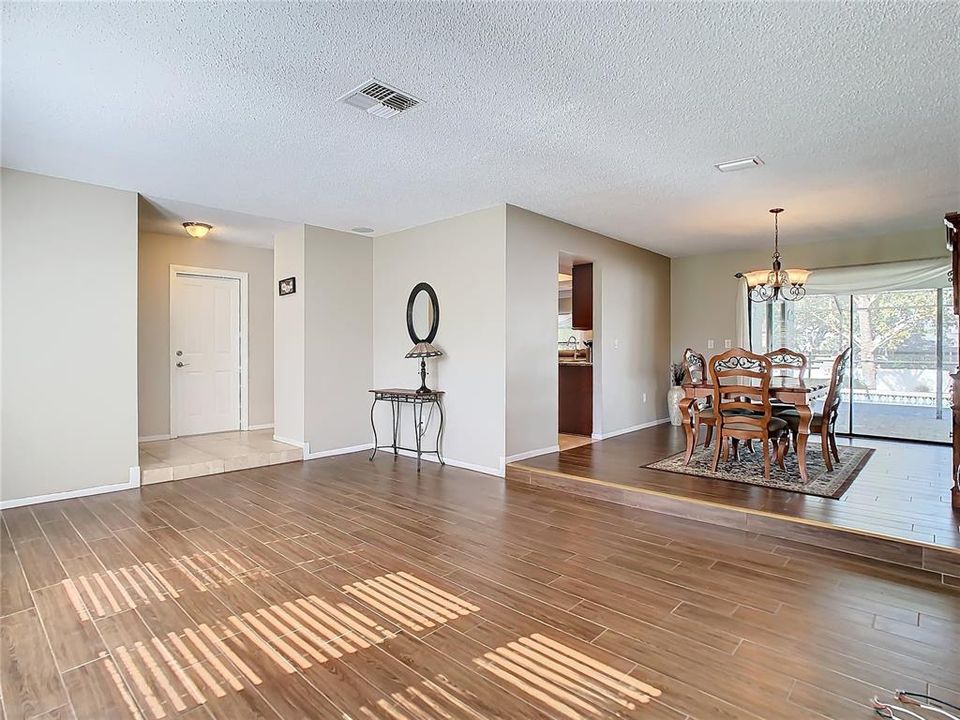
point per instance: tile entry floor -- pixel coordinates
(568, 442)
(196, 455)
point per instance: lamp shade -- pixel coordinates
(757, 277)
(798, 276)
(423, 350)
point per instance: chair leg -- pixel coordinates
(709, 436)
(783, 444)
(750, 446)
(736, 449)
(825, 448)
(833, 443)
(794, 434)
(726, 451)
(766, 458)
(716, 450)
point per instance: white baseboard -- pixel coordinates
(296, 443)
(132, 484)
(624, 431)
(152, 438)
(265, 426)
(532, 453)
(496, 472)
(336, 451)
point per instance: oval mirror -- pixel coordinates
(423, 314)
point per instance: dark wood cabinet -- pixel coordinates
(952, 222)
(576, 399)
(583, 296)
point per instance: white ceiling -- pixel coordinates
(159, 215)
(608, 116)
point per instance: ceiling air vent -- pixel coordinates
(741, 164)
(379, 99)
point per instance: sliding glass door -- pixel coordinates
(901, 348)
(903, 344)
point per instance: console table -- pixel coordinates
(418, 401)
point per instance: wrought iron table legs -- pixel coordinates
(418, 429)
(373, 425)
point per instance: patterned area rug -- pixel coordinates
(749, 469)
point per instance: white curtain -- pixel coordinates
(908, 275)
(743, 315)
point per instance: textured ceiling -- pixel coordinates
(608, 116)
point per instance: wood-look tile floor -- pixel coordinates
(341, 588)
(903, 491)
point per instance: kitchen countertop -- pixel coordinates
(576, 363)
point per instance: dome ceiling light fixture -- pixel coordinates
(197, 229)
(776, 283)
(362, 230)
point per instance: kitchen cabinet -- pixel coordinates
(576, 398)
(583, 297)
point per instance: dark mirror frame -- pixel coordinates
(431, 293)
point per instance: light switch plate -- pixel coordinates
(644, 397)
(728, 344)
(710, 344)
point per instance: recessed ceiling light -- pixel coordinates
(197, 229)
(362, 230)
(742, 164)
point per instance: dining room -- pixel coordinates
(817, 409)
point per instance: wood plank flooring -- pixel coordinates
(341, 588)
(903, 491)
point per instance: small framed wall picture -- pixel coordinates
(288, 286)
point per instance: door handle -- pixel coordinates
(182, 364)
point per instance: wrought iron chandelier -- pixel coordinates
(776, 284)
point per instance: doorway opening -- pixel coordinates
(575, 321)
(205, 343)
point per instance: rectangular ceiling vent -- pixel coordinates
(378, 98)
(741, 164)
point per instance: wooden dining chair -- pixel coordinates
(694, 366)
(741, 401)
(695, 371)
(786, 363)
(825, 422)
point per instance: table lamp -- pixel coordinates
(423, 350)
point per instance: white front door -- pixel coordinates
(205, 353)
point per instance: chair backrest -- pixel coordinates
(788, 363)
(739, 377)
(694, 366)
(831, 404)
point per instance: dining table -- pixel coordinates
(795, 391)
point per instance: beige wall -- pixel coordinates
(69, 299)
(157, 254)
(338, 344)
(631, 335)
(289, 338)
(463, 259)
(703, 289)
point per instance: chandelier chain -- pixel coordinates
(776, 235)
